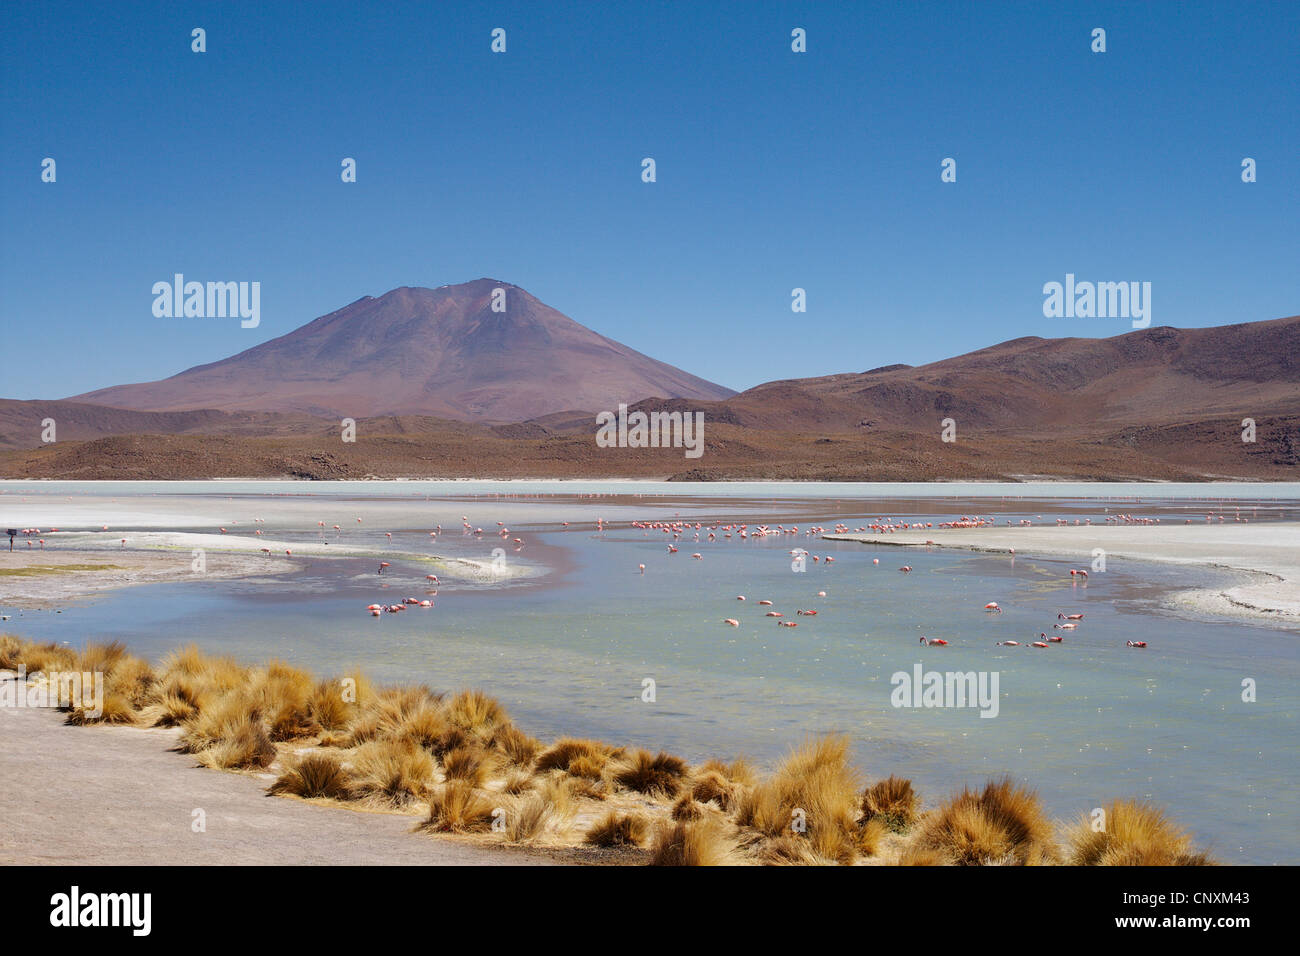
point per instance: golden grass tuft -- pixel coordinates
(923, 856)
(870, 834)
(425, 726)
(11, 652)
(456, 807)
(241, 741)
(789, 851)
(327, 705)
(687, 808)
(738, 772)
(286, 698)
(315, 775)
(476, 714)
(712, 786)
(526, 820)
(517, 782)
(618, 829)
(1001, 825)
(35, 658)
(561, 754)
(891, 801)
(470, 764)
(115, 709)
(691, 843)
(394, 773)
(813, 796)
(1135, 834)
(518, 748)
(658, 774)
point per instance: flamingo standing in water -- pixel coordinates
(993, 606)
(1136, 643)
(1069, 617)
(1054, 640)
(382, 565)
(1007, 644)
(933, 642)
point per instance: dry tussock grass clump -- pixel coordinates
(385, 712)
(246, 746)
(285, 695)
(1135, 834)
(618, 829)
(655, 775)
(394, 773)
(470, 764)
(691, 843)
(527, 819)
(34, 658)
(114, 709)
(687, 808)
(561, 754)
(328, 705)
(518, 748)
(711, 786)
(1001, 825)
(788, 851)
(813, 796)
(426, 726)
(590, 789)
(518, 782)
(315, 775)
(11, 652)
(188, 681)
(870, 835)
(456, 807)
(476, 715)
(739, 772)
(893, 802)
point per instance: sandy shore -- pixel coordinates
(120, 796)
(1269, 553)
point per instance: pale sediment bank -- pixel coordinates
(95, 796)
(36, 579)
(1269, 552)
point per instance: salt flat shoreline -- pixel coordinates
(1267, 551)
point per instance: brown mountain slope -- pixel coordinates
(440, 352)
(1035, 386)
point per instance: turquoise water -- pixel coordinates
(569, 649)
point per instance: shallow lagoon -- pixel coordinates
(568, 650)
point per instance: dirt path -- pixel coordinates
(117, 795)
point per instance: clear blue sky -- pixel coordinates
(775, 170)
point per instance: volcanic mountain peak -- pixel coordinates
(484, 349)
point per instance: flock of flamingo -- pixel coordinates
(676, 529)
